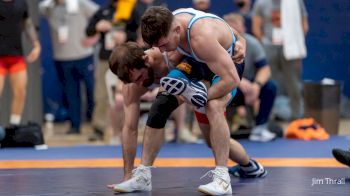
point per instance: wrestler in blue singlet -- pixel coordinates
(199, 70)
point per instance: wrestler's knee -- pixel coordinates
(162, 107)
(215, 107)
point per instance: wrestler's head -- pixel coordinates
(128, 61)
(160, 29)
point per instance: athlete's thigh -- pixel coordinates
(2, 81)
(18, 80)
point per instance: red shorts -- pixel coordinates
(12, 64)
(202, 118)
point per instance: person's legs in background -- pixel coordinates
(116, 115)
(275, 59)
(18, 78)
(71, 86)
(2, 76)
(292, 70)
(99, 116)
(86, 71)
(2, 81)
(18, 84)
(60, 77)
(267, 97)
(116, 112)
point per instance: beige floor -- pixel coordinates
(344, 127)
(55, 134)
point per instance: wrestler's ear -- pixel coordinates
(146, 59)
(177, 29)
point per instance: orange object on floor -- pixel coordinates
(306, 129)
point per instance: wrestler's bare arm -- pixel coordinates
(132, 93)
(207, 47)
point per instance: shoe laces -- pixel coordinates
(142, 170)
(215, 174)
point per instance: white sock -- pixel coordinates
(15, 119)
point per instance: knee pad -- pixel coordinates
(162, 107)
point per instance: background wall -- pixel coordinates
(328, 44)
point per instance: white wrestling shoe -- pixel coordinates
(140, 181)
(221, 184)
(194, 92)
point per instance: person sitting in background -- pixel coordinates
(256, 86)
(14, 18)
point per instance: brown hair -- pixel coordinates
(155, 24)
(124, 58)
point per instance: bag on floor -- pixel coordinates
(306, 129)
(28, 135)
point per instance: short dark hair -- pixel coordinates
(124, 58)
(156, 23)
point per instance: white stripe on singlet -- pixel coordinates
(196, 16)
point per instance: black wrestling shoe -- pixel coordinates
(343, 156)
